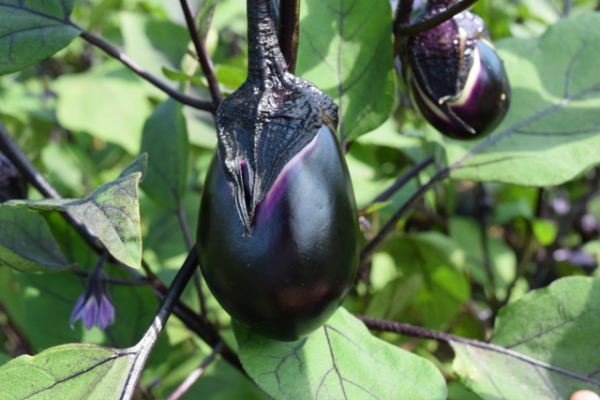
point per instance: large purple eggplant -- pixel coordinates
(455, 76)
(278, 231)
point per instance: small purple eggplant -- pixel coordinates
(278, 227)
(454, 75)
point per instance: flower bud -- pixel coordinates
(278, 229)
(455, 76)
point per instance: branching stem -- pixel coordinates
(205, 61)
(288, 31)
(195, 374)
(408, 30)
(139, 70)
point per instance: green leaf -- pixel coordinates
(438, 261)
(153, 43)
(109, 104)
(31, 31)
(73, 371)
(340, 360)
(181, 77)
(346, 50)
(467, 234)
(111, 213)
(204, 16)
(552, 130)
(26, 243)
(165, 139)
(545, 346)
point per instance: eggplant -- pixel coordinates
(278, 228)
(454, 75)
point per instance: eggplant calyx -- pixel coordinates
(268, 120)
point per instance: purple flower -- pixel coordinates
(576, 258)
(94, 306)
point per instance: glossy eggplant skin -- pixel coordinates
(456, 78)
(288, 276)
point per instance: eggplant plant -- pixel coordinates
(349, 243)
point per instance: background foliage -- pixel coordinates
(497, 261)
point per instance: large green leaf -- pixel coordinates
(341, 360)
(165, 140)
(545, 346)
(552, 130)
(111, 213)
(346, 50)
(73, 371)
(109, 103)
(33, 30)
(26, 243)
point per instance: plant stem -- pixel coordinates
(205, 60)
(195, 374)
(190, 246)
(145, 345)
(405, 178)
(139, 70)
(408, 30)
(371, 247)
(288, 31)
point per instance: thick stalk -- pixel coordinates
(289, 31)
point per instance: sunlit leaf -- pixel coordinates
(109, 103)
(503, 261)
(73, 371)
(26, 243)
(111, 213)
(33, 30)
(165, 140)
(438, 262)
(346, 50)
(544, 346)
(341, 360)
(552, 130)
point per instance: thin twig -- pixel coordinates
(139, 70)
(195, 374)
(434, 21)
(205, 60)
(484, 210)
(405, 178)
(144, 347)
(288, 31)
(185, 229)
(417, 331)
(371, 247)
